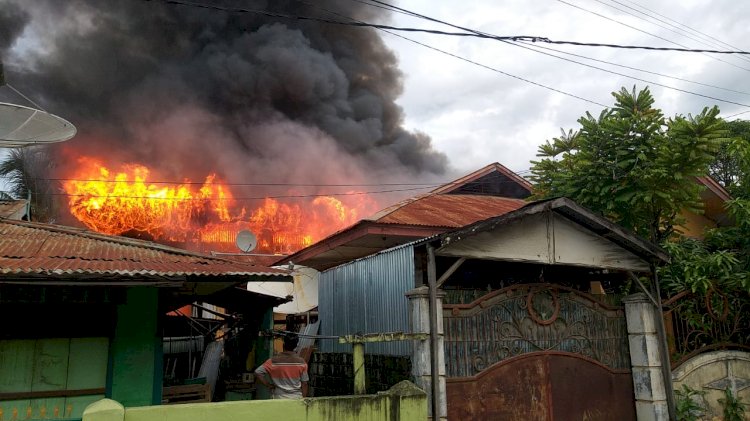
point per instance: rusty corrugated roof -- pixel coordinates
(36, 249)
(443, 210)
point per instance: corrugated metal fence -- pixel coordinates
(367, 296)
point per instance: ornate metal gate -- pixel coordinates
(537, 351)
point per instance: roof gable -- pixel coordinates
(492, 180)
(556, 231)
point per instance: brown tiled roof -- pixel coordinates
(35, 249)
(443, 210)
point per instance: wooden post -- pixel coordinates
(358, 349)
(359, 368)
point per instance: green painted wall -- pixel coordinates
(402, 402)
(50, 365)
(135, 378)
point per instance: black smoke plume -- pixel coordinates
(190, 90)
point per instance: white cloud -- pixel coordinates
(477, 116)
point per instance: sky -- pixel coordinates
(475, 116)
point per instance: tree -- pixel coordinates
(632, 164)
(732, 166)
(26, 171)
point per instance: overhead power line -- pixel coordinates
(187, 183)
(529, 47)
(284, 196)
(684, 48)
(529, 38)
(708, 85)
(736, 114)
(468, 60)
(640, 79)
(720, 42)
(661, 23)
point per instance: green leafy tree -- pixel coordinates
(632, 164)
(732, 165)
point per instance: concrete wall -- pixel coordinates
(332, 374)
(404, 401)
(713, 372)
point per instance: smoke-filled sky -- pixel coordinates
(188, 91)
(276, 100)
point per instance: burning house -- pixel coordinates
(195, 124)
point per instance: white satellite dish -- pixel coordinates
(246, 241)
(25, 126)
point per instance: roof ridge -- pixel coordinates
(393, 208)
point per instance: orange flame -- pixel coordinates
(207, 217)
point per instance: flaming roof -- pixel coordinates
(490, 191)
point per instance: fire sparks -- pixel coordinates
(204, 216)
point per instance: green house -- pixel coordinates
(81, 315)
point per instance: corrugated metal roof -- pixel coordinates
(33, 249)
(443, 210)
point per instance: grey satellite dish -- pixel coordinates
(24, 126)
(246, 241)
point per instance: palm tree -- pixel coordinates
(26, 172)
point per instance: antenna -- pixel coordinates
(246, 241)
(24, 126)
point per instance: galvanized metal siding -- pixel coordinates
(367, 296)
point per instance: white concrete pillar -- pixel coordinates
(645, 359)
(419, 318)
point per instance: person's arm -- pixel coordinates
(262, 376)
(304, 378)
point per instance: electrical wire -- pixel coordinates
(188, 199)
(476, 63)
(530, 38)
(654, 35)
(528, 47)
(176, 183)
(638, 69)
(735, 115)
(637, 78)
(668, 27)
(481, 35)
(683, 25)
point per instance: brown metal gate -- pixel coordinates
(537, 352)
